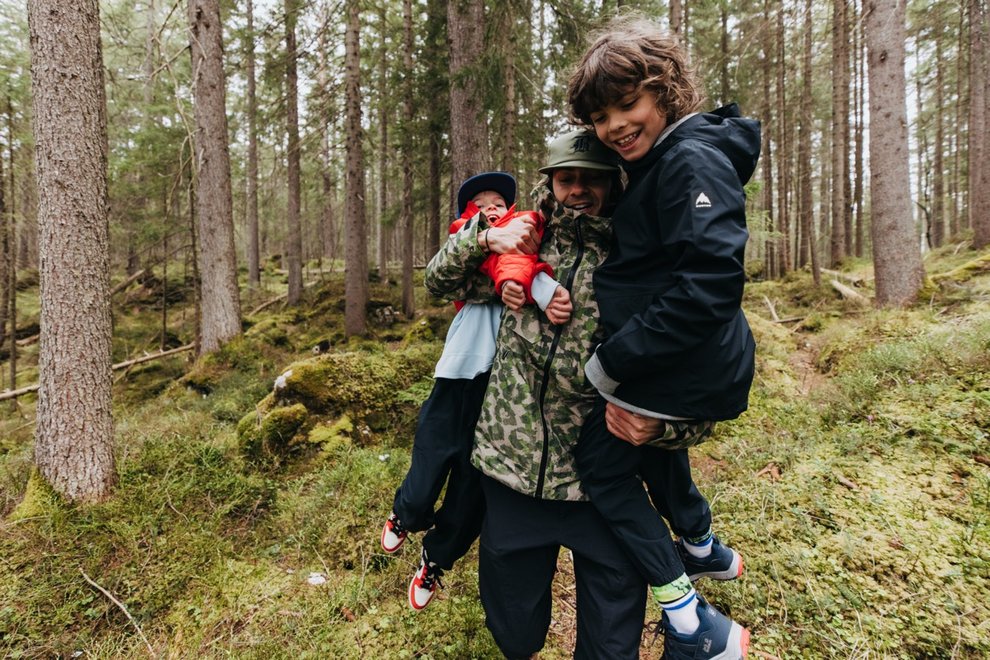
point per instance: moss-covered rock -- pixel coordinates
(268, 438)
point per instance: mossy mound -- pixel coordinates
(340, 397)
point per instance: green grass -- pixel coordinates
(853, 486)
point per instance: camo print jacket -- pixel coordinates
(538, 395)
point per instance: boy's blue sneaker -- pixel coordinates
(717, 638)
(723, 563)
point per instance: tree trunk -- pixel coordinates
(251, 203)
(840, 131)
(896, 259)
(220, 299)
(408, 300)
(328, 112)
(677, 19)
(979, 145)
(508, 146)
(356, 274)
(806, 203)
(74, 437)
(383, 103)
(783, 154)
(293, 242)
(860, 88)
(766, 160)
(468, 130)
(6, 263)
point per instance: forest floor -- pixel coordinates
(246, 518)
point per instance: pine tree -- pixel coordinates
(74, 436)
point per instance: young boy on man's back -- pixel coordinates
(679, 350)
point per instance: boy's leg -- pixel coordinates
(458, 520)
(517, 561)
(434, 450)
(609, 471)
(667, 475)
(611, 595)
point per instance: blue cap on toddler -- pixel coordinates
(501, 182)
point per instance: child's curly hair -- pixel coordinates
(633, 54)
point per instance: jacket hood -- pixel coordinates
(725, 129)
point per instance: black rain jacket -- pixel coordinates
(671, 288)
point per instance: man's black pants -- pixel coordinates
(442, 453)
(520, 541)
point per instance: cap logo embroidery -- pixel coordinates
(581, 145)
(702, 202)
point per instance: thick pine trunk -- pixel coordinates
(468, 130)
(896, 259)
(74, 437)
(356, 274)
(293, 241)
(220, 299)
(383, 105)
(860, 94)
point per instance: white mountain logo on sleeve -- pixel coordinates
(702, 202)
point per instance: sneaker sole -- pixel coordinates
(734, 570)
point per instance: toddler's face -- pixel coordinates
(631, 125)
(491, 204)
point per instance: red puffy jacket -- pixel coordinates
(502, 268)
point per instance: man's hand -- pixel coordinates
(517, 237)
(560, 307)
(513, 295)
(634, 429)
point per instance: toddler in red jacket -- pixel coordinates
(445, 429)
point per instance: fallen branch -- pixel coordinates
(850, 294)
(126, 283)
(773, 310)
(13, 394)
(122, 609)
(266, 305)
(855, 280)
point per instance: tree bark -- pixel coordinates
(327, 224)
(251, 203)
(806, 203)
(74, 437)
(979, 116)
(766, 160)
(293, 242)
(468, 129)
(383, 103)
(356, 274)
(783, 155)
(840, 131)
(860, 94)
(220, 299)
(408, 300)
(896, 258)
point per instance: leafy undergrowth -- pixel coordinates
(857, 487)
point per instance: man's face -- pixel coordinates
(582, 189)
(631, 125)
(491, 204)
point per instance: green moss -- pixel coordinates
(334, 436)
(38, 501)
(268, 437)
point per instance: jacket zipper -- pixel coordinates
(557, 330)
